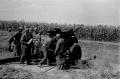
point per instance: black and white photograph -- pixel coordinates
(59, 39)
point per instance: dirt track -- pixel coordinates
(94, 69)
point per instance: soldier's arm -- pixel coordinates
(47, 44)
(12, 38)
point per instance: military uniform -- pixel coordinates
(26, 48)
(51, 49)
(16, 38)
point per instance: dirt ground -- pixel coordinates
(105, 66)
(91, 70)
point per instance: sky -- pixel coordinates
(90, 12)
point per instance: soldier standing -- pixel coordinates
(27, 43)
(16, 39)
(48, 49)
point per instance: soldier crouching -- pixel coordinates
(62, 55)
(48, 49)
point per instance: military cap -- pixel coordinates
(58, 31)
(65, 34)
(71, 32)
(51, 32)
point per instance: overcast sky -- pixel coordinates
(61, 11)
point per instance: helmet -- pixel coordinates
(57, 30)
(71, 32)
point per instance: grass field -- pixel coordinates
(105, 66)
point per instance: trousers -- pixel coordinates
(17, 50)
(26, 52)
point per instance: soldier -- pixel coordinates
(16, 39)
(48, 49)
(61, 53)
(37, 41)
(26, 41)
(74, 49)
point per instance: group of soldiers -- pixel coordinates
(60, 49)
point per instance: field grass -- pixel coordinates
(105, 66)
(4, 37)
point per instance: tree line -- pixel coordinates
(85, 32)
